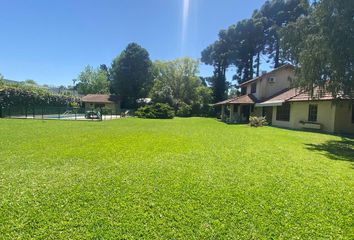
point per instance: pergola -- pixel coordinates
(240, 108)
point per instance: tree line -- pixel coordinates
(132, 76)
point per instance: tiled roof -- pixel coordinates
(244, 99)
(279, 97)
(286, 95)
(318, 94)
(100, 98)
(268, 73)
(224, 102)
(282, 95)
(295, 94)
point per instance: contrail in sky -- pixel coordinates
(185, 23)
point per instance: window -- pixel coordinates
(312, 113)
(353, 113)
(271, 80)
(283, 112)
(243, 91)
(253, 87)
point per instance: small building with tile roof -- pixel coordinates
(102, 101)
(271, 95)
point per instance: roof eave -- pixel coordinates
(260, 77)
(270, 104)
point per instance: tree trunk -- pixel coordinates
(251, 67)
(258, 63)
(222, 83)
(277, 52)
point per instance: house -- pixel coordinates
(272, 96)
(98, 101)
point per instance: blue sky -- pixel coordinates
(52, 41)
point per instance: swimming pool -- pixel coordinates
(66, 116)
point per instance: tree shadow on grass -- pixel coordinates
(342, 150)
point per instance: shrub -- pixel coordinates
(105, 110)
(74, 104)
(208, 111)
(258, 121)
(155, 111)
(184, 110)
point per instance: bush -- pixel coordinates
(203, 110)
(184, 110)
(258, 121)
(74, 104)
(105, 110)
(155, 111)
(208, 111)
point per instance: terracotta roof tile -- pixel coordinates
(244, 99)
(100, 98)
(318, 94)
(295, 94)
(282, 95)
(286, 95)
(224, 102)
(278, 98)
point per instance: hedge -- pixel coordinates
(157, 110)
(32, 96)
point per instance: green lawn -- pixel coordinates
(172, 179)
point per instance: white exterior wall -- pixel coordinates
(299, 112)
(282, 82)
(265, 89)
(343, 117)
(115, 107)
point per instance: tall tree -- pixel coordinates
(258, 37)
(92, 80)
(246, 42)
(177, 82)
(217, 55)
(104, 68)
(131, 74)
(2, 80)
(324, 51)
(278, 14)
(292, 38)
(30, 82)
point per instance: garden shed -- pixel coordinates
(97, 101)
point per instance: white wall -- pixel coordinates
(266, 89)
(299, 112)
(343, 117)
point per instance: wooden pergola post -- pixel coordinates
(238, 110)
(232, 112)
(222, 112)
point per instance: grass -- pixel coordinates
(172, 179)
